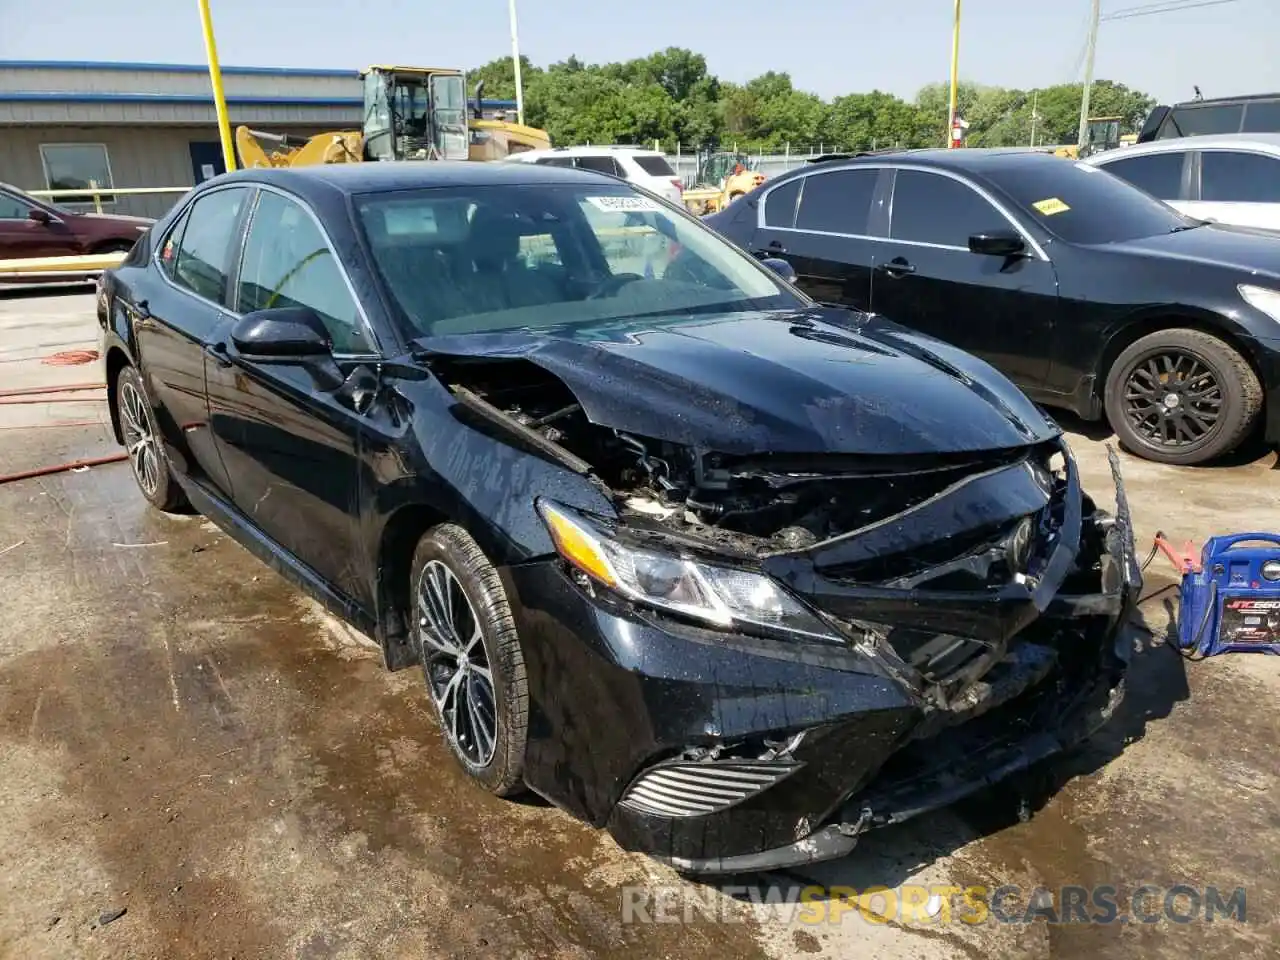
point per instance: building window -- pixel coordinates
(73, 166)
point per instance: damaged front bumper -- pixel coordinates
(719, 753)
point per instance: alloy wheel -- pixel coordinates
(457, 665)
(139, 440)
(1172, 399)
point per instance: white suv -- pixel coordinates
(645, 168)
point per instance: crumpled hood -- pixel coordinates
(816, 381)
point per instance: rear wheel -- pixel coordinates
(1182, 397)
(471, 657)
(142, 443)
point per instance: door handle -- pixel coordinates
(773, 246)
(218, 352)
(142, 310)
(897, 267)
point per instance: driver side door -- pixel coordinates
(289, 439)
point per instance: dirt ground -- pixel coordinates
(185, 737)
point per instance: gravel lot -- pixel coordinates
(185, 737)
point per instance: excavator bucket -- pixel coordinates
(258, 148)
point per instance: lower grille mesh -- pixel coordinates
(697, 789)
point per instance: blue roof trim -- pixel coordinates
(172, 68)
(201, 98)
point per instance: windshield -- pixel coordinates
(485, 258)
(1085, 204)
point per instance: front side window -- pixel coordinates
(931, 208)
(837, 202)
(485, 258)
(204, 250)
(1160, 174)
(77, 166)
(1232, 176)
(288, 263)
(11, 208)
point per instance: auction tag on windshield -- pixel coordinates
(624, 204)
(1051, 206)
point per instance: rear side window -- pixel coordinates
(931, 208)
(780, 205)
(1160, 174)
(654, 166)
(204, 252)
(837, 202)
(600, 165)
(1229, 176)
(1262, 117)
(288, 263)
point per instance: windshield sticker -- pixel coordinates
(624, 204)
(1051, 206)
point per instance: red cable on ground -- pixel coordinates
(56, 423)
(69, 388)
(15, 401)
(62, 467)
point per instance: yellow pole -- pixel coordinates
(955, 77)
(215, 77)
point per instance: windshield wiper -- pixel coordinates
(1187, 226)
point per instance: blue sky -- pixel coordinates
(828, 46)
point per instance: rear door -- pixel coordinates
(177, 312)
(1237, 187)
(290, 443)
(1000, 308)
(821, 224)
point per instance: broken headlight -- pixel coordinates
(725, 597)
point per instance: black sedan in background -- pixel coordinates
(1088, 293)
(735, 575)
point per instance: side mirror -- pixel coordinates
(284, 332)
(1000, 244)
(781, 267)
(39, 216)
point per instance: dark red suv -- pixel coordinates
(35, 228)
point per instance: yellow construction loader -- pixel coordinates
(410, 113)
(1101, 133)
(721, 179)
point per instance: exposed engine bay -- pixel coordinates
(762, 504)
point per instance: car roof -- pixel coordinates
(588, 150)
(383, 177)
(977, 160)
(1266, 142)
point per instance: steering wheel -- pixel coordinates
(611, 285)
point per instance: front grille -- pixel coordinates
(697, 789)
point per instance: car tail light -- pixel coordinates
(679, 185)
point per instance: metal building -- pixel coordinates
(73, 125)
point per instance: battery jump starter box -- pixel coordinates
(1232, 601)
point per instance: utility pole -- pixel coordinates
(955, 78)
(515, 62)
(1088, 73)
(1035, 99)
(215, 78)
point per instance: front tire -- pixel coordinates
(1182, 397)
(142, 442)
(471, 657)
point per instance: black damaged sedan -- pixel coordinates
(733, 575)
